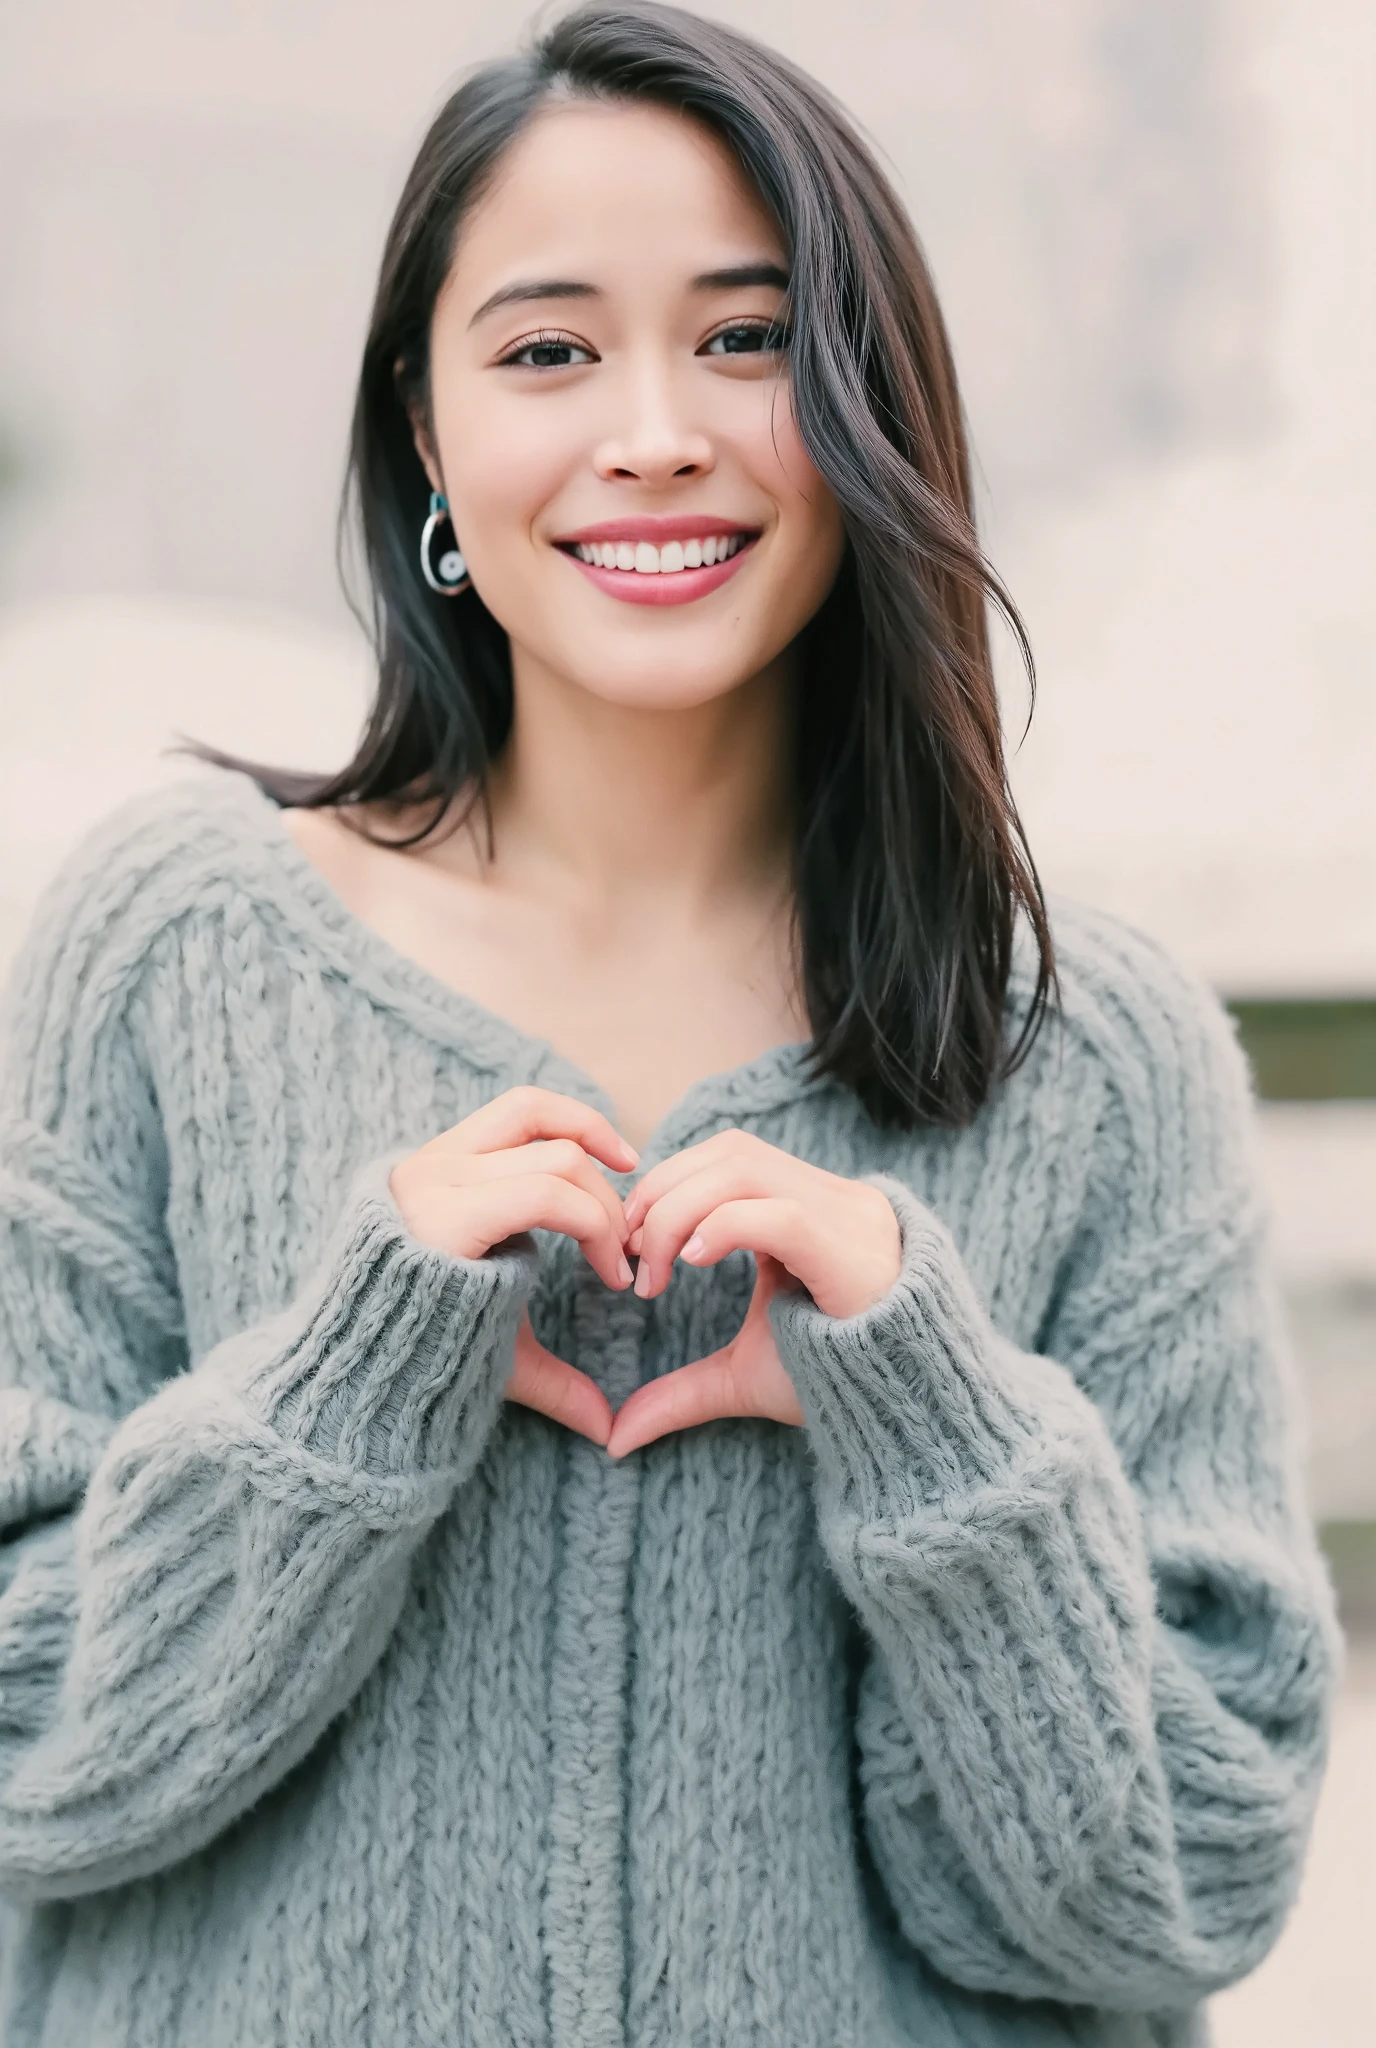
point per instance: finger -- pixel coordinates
(563, 1156)
(706, 1391)
(672, 1171)
(522, 1115)
(550, 1385)
(754, 1174)
(556, 1204)
(777, 1226)
(675, 1217)
(468, 1221)
(745, 1378)
(696, 1393)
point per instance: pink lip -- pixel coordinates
(657, 527)
(680, 586)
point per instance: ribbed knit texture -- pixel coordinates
(343, 1702)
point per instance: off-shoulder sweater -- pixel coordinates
(344, 1702)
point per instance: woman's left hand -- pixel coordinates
(837, 1238)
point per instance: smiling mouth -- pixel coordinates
(670, 558)
(677, 569)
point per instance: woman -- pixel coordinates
(890, 1616)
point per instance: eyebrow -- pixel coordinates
(739, 274)
(534, 288)
(734, 277)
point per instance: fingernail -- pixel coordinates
(633, 1241)
(623, 1272)
(642, 1279)
(694, 1248)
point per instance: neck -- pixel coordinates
(627, 808)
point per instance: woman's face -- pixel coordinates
(612, 416)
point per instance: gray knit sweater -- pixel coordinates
(344, 1703)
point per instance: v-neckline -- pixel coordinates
(498, 1044)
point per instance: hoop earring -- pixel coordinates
(452, 570)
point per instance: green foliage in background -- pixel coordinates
(1311, 1051)
(1350, 1548)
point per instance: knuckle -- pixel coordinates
(652, 1232)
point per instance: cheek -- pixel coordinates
(502, 465)
(809, 517)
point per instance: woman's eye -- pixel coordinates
(548, 352)
(756, 338)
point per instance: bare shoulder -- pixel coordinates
(421, 897)
(336, 849)
(346, 842)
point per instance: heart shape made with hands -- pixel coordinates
(745, 1378)
(810, 1230)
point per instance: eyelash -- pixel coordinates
(552, 339)
(774, 331)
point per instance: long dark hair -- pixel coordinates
(911, 866)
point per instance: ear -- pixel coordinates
(420, 433)
(421, 437)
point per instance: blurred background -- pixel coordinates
(1150, 223)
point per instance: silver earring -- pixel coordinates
(450, 574)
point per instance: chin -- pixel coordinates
(649, 684)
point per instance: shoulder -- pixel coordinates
(1152, 1037)
(1129, 1000)
(145, 866)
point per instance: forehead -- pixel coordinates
(589, 185)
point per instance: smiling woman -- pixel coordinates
(612, 1431)
(729, 334)
(661, 393)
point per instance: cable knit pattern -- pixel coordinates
(344, 1703)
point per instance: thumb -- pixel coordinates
(704, 1391)
(771, 1277)
(555, 1388)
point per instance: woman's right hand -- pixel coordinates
(524, 1161)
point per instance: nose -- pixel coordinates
(652, 441)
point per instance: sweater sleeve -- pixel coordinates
(199, 1565)
(1099, 1644)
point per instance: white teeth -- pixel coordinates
(645, 559)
